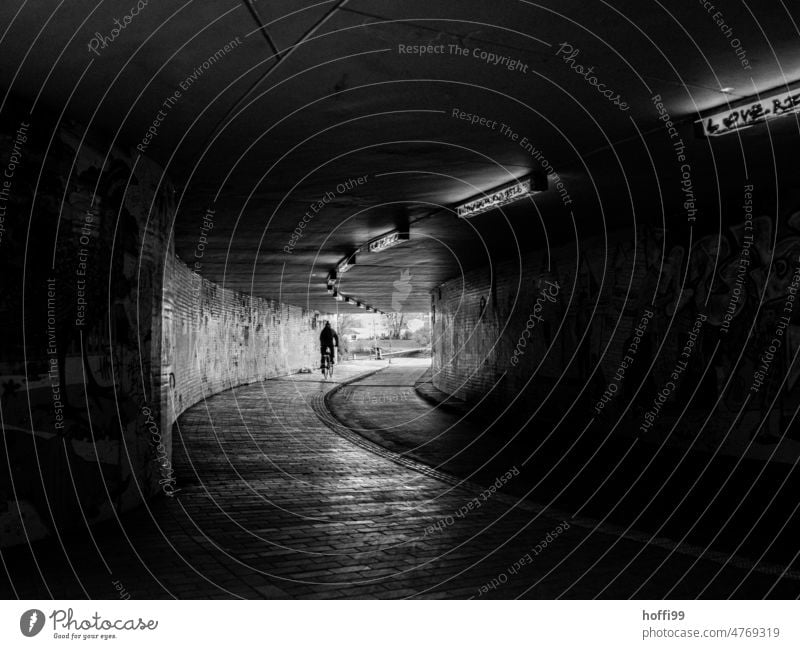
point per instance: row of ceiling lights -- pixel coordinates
(384, 242)
(485, 201)
(710, 123)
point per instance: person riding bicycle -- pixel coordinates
(327, 339)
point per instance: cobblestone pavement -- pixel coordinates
(386, 410)
(278, 500)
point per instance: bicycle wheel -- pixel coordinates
(326, 367)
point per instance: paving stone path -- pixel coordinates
(278, 500)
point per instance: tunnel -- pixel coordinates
(368, 299)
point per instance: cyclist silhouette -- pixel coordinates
(327, 339)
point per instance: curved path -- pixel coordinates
(279, 500)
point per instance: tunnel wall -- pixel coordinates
(508, 334)
(216, 339)
(92, 375)
(84, 231)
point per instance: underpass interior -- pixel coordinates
(606, 402)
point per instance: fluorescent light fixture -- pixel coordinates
(727, 89)
(748, 113)
(346, 264)
(501, 196)
(388, 241)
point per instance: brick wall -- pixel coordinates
(482, 318)
(112, 337)
(491, 339)
(84, 232)
(215, 339)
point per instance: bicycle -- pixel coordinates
(327, 366)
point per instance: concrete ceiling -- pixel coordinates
(261, 139)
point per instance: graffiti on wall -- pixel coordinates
(739, 282)
(76, 382)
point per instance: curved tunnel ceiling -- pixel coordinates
(350, 124)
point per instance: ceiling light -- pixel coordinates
(388, 241)
(747, 113)
(727, 89)
(346, 264)
(503, 195)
